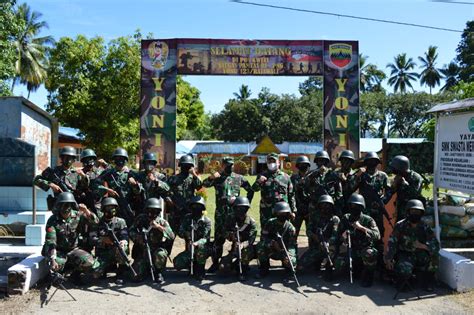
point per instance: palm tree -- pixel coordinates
(400, 73)
(451, 75)
(363, 72)
(371, 77)
(244, 93)
(31, 63)
(430, 75)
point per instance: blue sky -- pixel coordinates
(225, 19)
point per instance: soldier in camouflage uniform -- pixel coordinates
(364, 235)
(347, 176)
(407, 184)
(227, 185)
(119, 182)
(323, 181)
(183, 188)
(201, 225)
(107, 254)
(160, 235)
(61, 245)
(297, 179)
(413, 246)
(275, 186)
(153, 182)
(247, 228)
(323, 230)
(275, 230)
(62, 178)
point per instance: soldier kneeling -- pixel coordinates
(413, 247)
(277, 230)
(153, 237)
(61, 244)
(241, 230)
(111, 241)
(196, 231)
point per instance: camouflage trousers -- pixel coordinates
(407, 262)
(265, 252)
(175, 221)
(313, 257)
(109, 257)
(366, 256)
(302, 215)
(78, 259)
(183, 259)
(219, 231)
(158, 256)
(227, 262)
(265, 215)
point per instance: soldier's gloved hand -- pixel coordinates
(80, 172)
(342, 177)
(55, 188)
(151, 177)
(84, 210)
(123, 243)
(285, 261)
(132, 181)
(262, 179)
(101, 162)
(360, 172)
(193, 172)
(112, 193)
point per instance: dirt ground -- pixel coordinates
(224, 295)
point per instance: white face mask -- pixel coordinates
(272, 167)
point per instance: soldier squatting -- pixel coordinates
(110, 218)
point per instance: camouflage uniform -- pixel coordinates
(265, 250)
(61, 242)
(227, 188)
(183, 187)
(328, 226)
(409, 191)
(158, 242)
(323, 183)
(247, 235)
(118, 181)
(348, 186)
(363, 246)
(107, 254)
(401, 247)
(202, 235)
(277, 187)
(69, 177)
(302, 201)
(158, 188)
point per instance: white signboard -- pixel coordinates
(455, 156)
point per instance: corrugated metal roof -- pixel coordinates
(222, 148)
(304, 147)
(452, 106)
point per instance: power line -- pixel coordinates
(346, 16)
(453, 2)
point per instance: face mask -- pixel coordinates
(240, 211)
(321, 163)
(303, 168)
(414, 218)
(372, 164)
(149, 167)
(152, 214)
(272, 167)
(120, 162)
(355, 213)
(67, 161)
(185, 168)
(282, 218)
(109, 212)
(229, 168)
(65, 210)
(346, 163)
(326, 210)
(88, 163)
(196, 212)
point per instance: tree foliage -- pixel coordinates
(190, 109)
(401, 74)
(430, 76)
(465, 52)
(450, 74)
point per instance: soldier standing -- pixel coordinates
(346, 174)
(160, 235)
(323, 181)
(239, 222)
(323, 232)
(61, 245)
(62, 178)
(277, 229)
(118, 182)
(227, 185)
(364, 234)
(195, 229)
(276, 186)
(413, 246)
(183, 188)
(297, 179)
(407, 184)
(106, 252)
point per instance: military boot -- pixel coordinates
(263, 270)
(159, 277)
(428, 279)
(199, 272)
(367, 278)
(215, 265)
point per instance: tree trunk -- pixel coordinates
(13, 83)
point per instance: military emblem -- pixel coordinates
(340, 55)
(158, 53)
